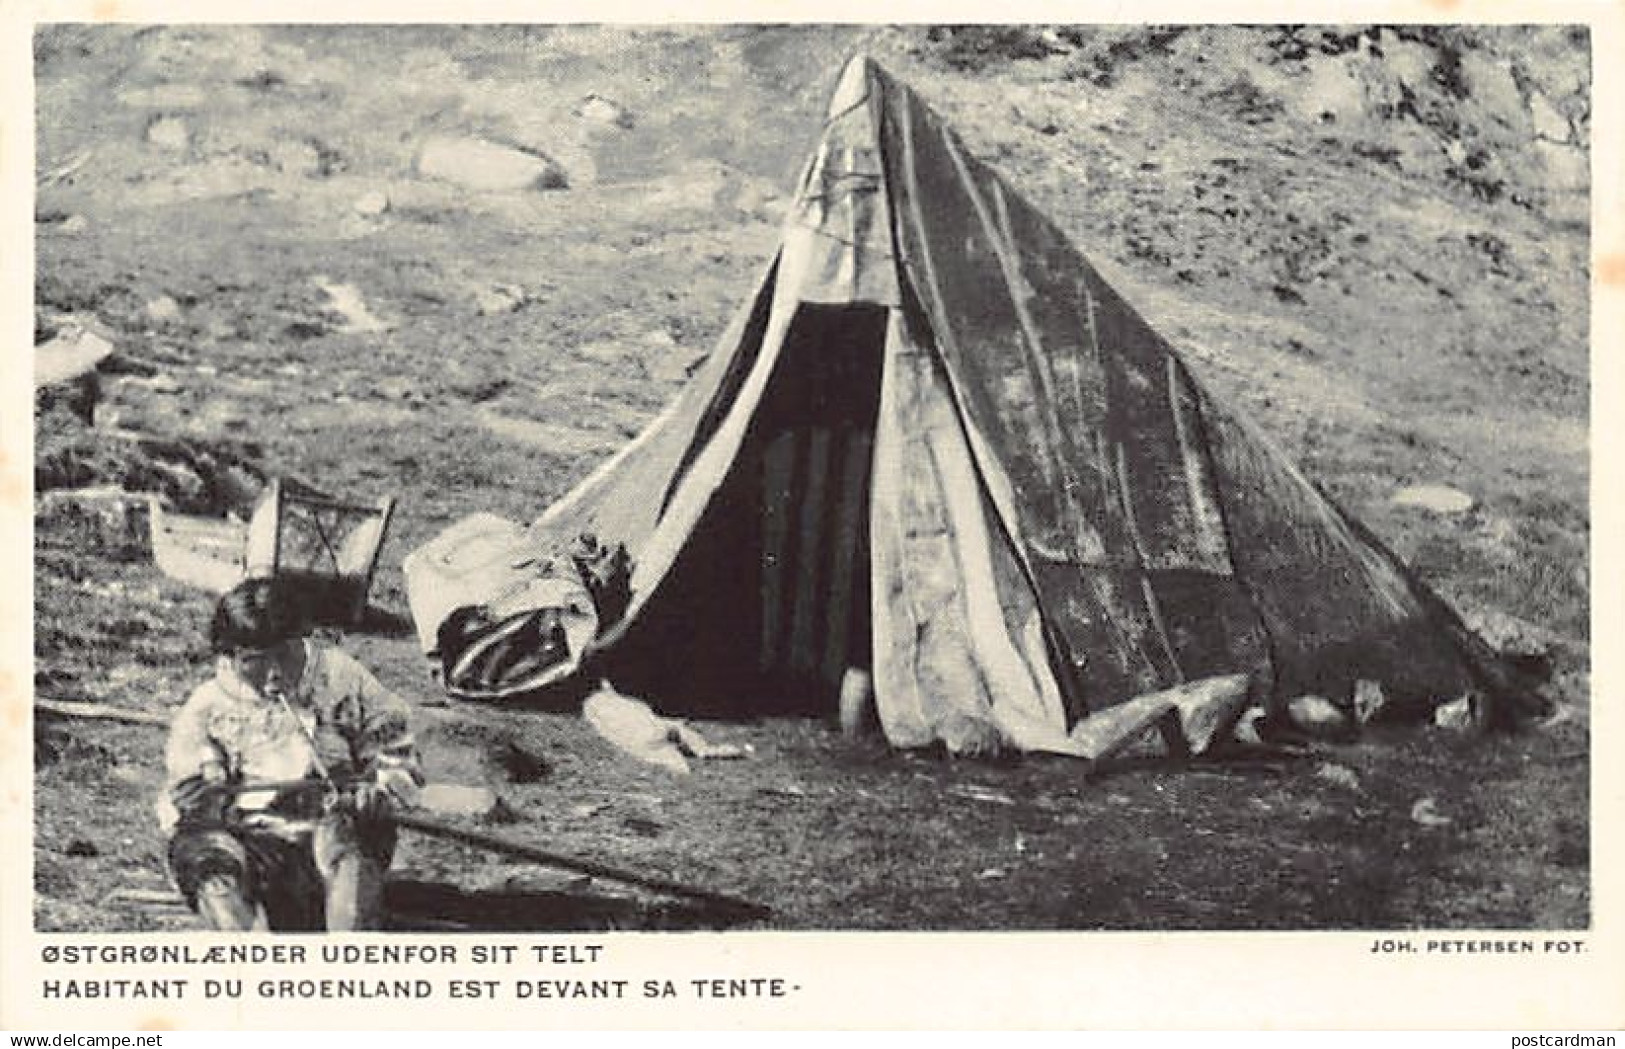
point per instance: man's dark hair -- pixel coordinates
(256, 613)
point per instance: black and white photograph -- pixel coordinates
(523, 479)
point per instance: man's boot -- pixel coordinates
(223, 905)
(355, 894)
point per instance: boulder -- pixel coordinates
(484, 166)
(72, 353)
(606, 111)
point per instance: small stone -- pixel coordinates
(498, 299)
(1340, 775)
(371, 205)
(1318, 717)
(169, 133)
(1426, 813)
(1457, 715)
(1369, 699)
(346, 301)
(73, 225)
(300, 159)
(395, 388)
(163, 308)
(1246, 730)
(1438, 498)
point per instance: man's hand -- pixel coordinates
(390, 789)
(272, 825)
(402, 786)
(205, 797)
(371, 802)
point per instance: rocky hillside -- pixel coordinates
(1310, 212)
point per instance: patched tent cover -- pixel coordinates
(936, 446)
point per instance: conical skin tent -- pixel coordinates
(936, 446)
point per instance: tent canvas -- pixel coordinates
(936, 445)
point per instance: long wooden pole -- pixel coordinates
(743, 909)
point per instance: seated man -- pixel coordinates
(281, 775)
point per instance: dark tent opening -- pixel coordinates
(768, 603)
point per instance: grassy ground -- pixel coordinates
(1369, 240)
